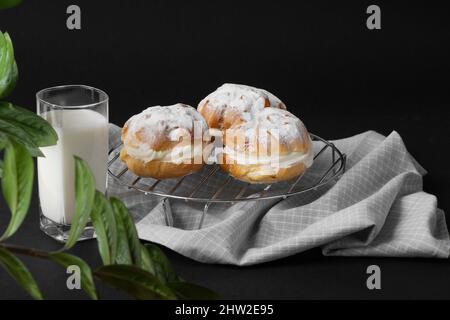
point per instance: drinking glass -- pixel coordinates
(79, 115)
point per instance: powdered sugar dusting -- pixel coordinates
(241, 98)
(271, 123)
(174, 121)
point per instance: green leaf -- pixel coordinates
(146, 261)
(26, 125)
(32, 149)
(156, 262)
(128, 246)
(123, 254)
(12, 132)
(138, 283)
(102, 217)
(84, 200)
(186, 290)
(8, 66)
(162, 268)
(17, 184)
(4, 4)
(20, 273)
(87, 281)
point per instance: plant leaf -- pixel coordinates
(87, 281)
(138, 283)
(162, 268)
(12, 132)
(8, 66)
(186, 290)
(104, 222)
(20, 273)
(27, 125)
(4, 4)
(123, 254)
(84, 200)
(17, 184)
(156, 262)
(146, 261)
(129, 246)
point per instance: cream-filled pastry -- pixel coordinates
(273, 146)
(231, 104)
(164, 141)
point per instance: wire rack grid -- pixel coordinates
(212, 185)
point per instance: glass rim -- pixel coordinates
(80, 106)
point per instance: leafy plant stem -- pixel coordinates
(32, 253)
(25, 251)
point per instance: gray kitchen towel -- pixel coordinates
(377, 208)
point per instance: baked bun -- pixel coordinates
(231, 104)
(160, 143)
(272, 147)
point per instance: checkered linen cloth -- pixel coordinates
(377, 208)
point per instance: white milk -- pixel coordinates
(83, 133)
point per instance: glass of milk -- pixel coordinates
(79, 114)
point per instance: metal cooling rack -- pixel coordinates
(212, 185)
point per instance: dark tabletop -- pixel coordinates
(318, 56)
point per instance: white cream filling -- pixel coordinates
(192, 153)
(178, 154)
(267, 162)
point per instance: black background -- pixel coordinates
(317, 56)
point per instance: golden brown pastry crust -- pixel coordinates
(252, 173)
(158, 169)
(218, 118)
